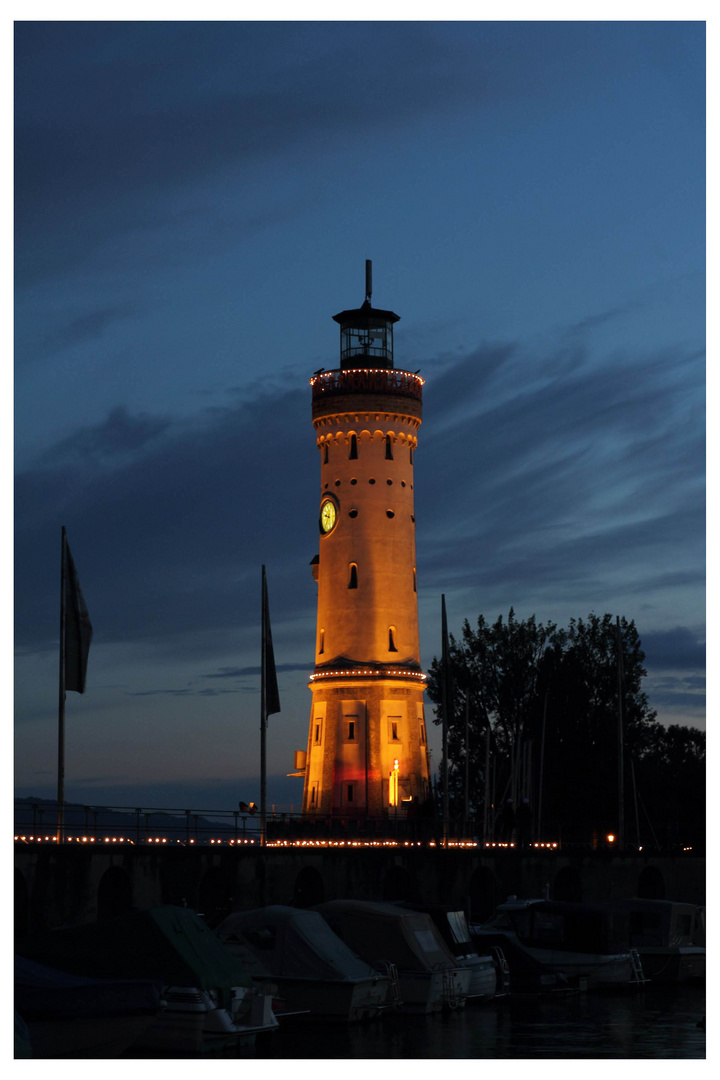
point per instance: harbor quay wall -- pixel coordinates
(70, 886)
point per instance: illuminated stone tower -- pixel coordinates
(367, 745)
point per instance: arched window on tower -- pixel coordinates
(414, 580)
(388, 448)
(353, 446)
(352, 583)
(392, 647)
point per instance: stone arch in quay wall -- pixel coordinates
(650, 884)
(115, 894)
(567, 885)
(309, 888)
(483, 893)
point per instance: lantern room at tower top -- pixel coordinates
(366, 333)
(367, 753)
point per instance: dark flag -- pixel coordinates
(269, 677)
(76, 623)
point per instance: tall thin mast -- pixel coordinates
(263, 716)
(467, 761)
(445, 699)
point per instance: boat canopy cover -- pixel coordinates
(291, 942)
(382, 932)
(170, 944)
(557, 924)
(450, 921)
(659, 922)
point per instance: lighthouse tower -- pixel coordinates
(367, 744)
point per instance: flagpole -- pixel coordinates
(263, 719)
(621, 763)
(61, 695)
(445, 695)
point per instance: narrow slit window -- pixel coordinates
(325, 455)
(422, 734)
(388, 448)
(392, 647)
(321, 643)
(351, 731)
(352, 583)
(414, 579)
(318, 732)
(313, 795)
(411, 455)
(350, 792)
(394, 731)
(353, 446)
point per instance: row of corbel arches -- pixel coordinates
(349, 444)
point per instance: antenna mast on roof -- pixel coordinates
(368, 279)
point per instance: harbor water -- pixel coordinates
(645, 1023)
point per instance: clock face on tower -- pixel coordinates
(328, 516)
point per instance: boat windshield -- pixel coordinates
(458, 927)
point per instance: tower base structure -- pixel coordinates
(367, 750)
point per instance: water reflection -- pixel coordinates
(645, 1024)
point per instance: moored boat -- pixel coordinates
(665, 934)
(429, 976)
(550, 945)
(313, 969)
(212, 1005)
(486, 980)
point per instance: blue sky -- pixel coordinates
(194, 201)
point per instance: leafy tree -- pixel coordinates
(671, 786)
(535, 694)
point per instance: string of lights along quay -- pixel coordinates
(367, 750)
(245, 842)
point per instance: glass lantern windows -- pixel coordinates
(373, 341)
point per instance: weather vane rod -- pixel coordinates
(368, 279)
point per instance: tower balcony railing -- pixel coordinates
(367, 381)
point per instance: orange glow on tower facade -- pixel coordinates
(367, 751)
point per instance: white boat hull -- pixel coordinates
(483, 977)
(350, 1000)
(434, 991)
(194, 1023)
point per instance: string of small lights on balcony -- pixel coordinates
(343, 374)
(397, 673)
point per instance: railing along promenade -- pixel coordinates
(36, 824)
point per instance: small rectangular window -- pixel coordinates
(313, 795)
(394, 737)
(350, 793)
(388, 448)
(353, 583)
(351, 730)
(353, 446)
(318, 732)
(422, 734)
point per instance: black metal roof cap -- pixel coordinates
(364, 314)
